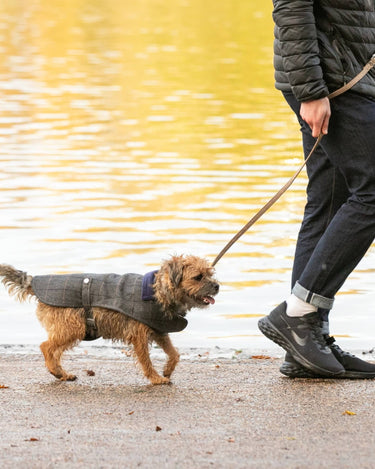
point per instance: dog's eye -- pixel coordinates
(198, 278)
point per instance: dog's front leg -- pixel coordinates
(140, 342)
(173, 356)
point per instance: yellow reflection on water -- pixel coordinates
(134, 130)
(142, 117)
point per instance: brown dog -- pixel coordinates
(131, 308)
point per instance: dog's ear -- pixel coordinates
(175, 270)
(167, 282)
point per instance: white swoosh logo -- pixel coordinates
(300, 340)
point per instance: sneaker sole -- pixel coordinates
(270, 331)
(292, 371)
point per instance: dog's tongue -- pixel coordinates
(209, 300)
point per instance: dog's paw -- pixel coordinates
(160, 380)
(68, 378)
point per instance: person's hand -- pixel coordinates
(316, 114)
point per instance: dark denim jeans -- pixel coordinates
(339, 219)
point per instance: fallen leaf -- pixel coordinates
(90, 373)
(158, 429)
(2, 386)
(348, 412)
(231, 440)
(261, 357)
(33, 439)
(131, 413)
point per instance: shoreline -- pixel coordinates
(110, 350)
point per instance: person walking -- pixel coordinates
(319, 46)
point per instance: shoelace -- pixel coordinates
(315, 325)
(331, 342)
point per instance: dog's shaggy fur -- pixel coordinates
(182, 283)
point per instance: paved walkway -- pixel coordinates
(221, 413)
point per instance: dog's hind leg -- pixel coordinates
(173, 356)
(65, 328)
(52, 354)
(140, 342)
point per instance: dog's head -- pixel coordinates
(185, 282)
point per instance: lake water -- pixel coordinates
(130, 131)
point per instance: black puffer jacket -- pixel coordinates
(321, 44)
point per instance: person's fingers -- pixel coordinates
(316, 114)
(325, 124)
(316, 126)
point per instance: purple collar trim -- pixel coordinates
(147, 286)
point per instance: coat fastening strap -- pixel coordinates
(91, 329)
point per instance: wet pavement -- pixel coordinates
(237, 412)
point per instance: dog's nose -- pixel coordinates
(216, 287)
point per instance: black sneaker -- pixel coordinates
(355, 368)
(293, 369)
(302, 338)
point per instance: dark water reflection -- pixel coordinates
(133, 130)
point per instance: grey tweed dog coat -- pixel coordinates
(129, 294)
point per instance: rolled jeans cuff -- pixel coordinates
(312, 298)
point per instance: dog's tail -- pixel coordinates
(17, 283)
